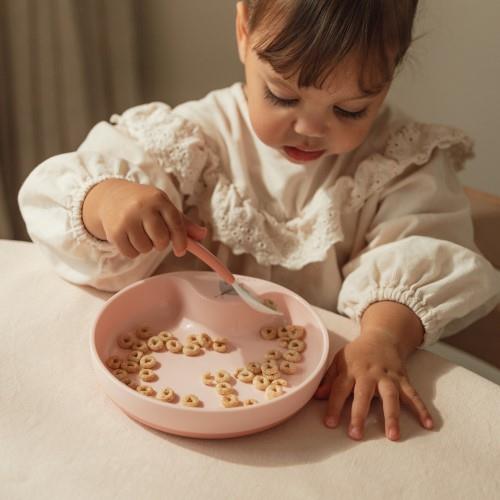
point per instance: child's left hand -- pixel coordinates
(366, 367)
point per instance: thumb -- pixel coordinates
(323, 390)
(194, 230)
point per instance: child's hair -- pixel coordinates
(310, 37)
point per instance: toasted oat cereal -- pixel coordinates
(140, 345)
(147, 375)
(280, 381)
(273, 391)
(273, 376)
(254, 367)
(190, 400)
(224, 388)
(270, 303)
(268, 333)
(114, 362)
(192, 339)
(288, 367)
(121, 375)
(144, 332)
(208, 379)
(283, 343)
(147, 390)
(135, 356)
(222, 376)
(173, 345)
(204, 340)
(148, 361)
(283, 332)
(273, 354)
(125, 341)
(270, 366)
(230, 401)
(166, 394)
(296, 345)
(245, 376)
(166, 336)
(219, 346)
(133, 385)
(293, 356)
(296, 332)
(260, 382)
(236, 371)
(130, 366)
(250, 402)
(191, 350)
(156, 344)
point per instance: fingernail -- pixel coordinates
(330, 421)
(393, 434)
(428, 423)
(355, 432)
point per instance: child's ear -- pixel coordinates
(242, 29)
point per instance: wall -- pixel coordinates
(452, 75)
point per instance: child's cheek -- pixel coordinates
(267, 128)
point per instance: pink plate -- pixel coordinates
(189, 303)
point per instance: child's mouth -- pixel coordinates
(301, 155)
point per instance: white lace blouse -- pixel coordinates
(389, 221)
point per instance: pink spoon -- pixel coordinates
(214, 263)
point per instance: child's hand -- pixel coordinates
(137, 218)
(366, 367)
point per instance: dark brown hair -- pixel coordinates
(310, 37)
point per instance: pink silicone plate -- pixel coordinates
(189, 303)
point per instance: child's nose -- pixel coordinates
(310, 126)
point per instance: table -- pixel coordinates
(62, 438)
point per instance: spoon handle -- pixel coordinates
(210, 260)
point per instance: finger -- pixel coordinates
(340, 390)
(194, 230)
(410, 397)
(323, 390)
(175, 224)
(123, 244)
(364, 389)
(389, 394)
(157, 231)
(139, 239)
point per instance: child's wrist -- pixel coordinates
(90, 210)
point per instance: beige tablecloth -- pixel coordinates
(62, 438)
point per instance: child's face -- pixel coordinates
(306, 123)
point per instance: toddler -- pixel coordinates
(300, 176)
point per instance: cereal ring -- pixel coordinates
(121, 375)
(156, 344)
(166, 336)
(260, 381)
(144, 332)
(254, 367)
(146, 390)
(296, 332)
(130, 366)
(246, 376)
(190, 400)
(173, 345)
(280, 381)
(135, 356)
(273, 391)
(283, 333)
(222, 376)
(288, 367)
(166, 394)
(133, 385)
(147, 375)
(140, 345)
(296, 345)
(270, 303)
(224, 388)
(148, 361)
(283, 343)
(219, 346)
(293, 356)
(191, 350)
(268, 333)
(236, 371)
(273, 354)
(273, 376)
(125, 341)
(208, 379)
(114, 362)
(250, 402)
(204, 340)
(230, 401)
(269, 367)
(192, 339)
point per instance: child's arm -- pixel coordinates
(374, 364)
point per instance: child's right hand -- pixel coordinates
(137, 218)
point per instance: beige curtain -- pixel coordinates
(64, 65)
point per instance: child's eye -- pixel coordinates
(352, 115)
(278, 101)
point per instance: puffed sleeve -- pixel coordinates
(149, 145)
(420, 252)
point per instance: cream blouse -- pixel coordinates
(388, 221)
